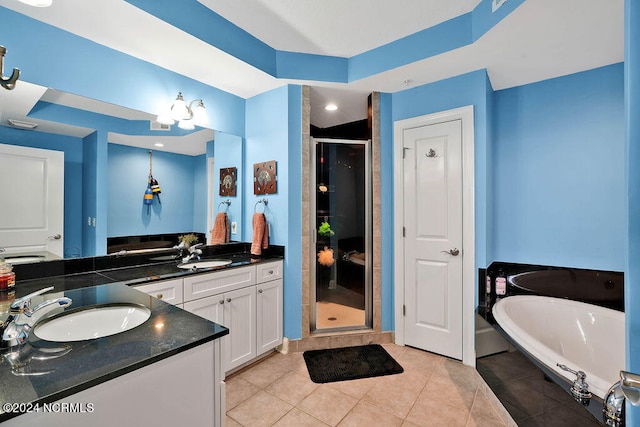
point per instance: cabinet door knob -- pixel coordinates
(259, 291)
(228, 299)
(270, 271)
(221, 301)
(159, 296)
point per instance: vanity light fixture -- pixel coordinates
(37, 3)
(187, 115)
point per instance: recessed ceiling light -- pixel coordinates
(37, 3)
(159, 144)
(331, 107)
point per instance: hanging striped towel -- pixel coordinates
(260, 239)
(220, 232)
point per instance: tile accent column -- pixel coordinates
(306, 214)
(359, 337)
(374, 107)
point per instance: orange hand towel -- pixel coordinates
(260, 239)
(220, 232)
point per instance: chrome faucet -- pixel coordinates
(580, 388)
(194, 253)
(22, 318)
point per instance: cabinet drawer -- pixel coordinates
(167, 290)
(268, 271)
(204, 285)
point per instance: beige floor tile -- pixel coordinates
(420, 359)
(482, 408)
(355, 388)
(327, 404)
(449, 391)
(395, 351)
(238, 390)
(262, 374)
(394, 398)
(366, 414)
(230, 422)
(292, 387)
(427, 412)
(478, 421)
(261, 409)
(432, 391)
(297, 418)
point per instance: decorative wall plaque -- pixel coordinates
(228, 181)
(264, 177)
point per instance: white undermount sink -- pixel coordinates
(92, 322)
(205, 264)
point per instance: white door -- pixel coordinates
(433, 237)
(32, 195)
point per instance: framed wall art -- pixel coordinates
(228, 181)
(265, 177)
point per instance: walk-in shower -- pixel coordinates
(341, 218)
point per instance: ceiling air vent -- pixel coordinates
(159, 126)
(19, 124)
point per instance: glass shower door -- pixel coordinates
(342, 218)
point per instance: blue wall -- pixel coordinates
(455, 92)
(228, 153)
(558, 171)
(72, 148)
(85, 68)
(176, 174)
(273, 132)
(632, 135)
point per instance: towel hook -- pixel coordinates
(264, 201)
(7, 82)
(225, 202)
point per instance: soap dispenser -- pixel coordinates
(501, 284)
(7, 276)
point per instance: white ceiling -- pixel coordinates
(336, 27)
(541, 39)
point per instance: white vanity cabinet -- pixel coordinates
(269, 306)
(169, 291)
(247, 300)
(237, 311)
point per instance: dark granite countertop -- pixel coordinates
(104, 280)
(75, 366)
(131, 270)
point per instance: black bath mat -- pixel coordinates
(350, 363)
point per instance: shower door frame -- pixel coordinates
(368, 235)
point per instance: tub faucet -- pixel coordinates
(580, 389)
(22, 318)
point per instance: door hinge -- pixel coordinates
(404, 152)
(404, 310)
(404, 232)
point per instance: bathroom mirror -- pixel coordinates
(186, 164)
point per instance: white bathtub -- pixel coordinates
(582, 336)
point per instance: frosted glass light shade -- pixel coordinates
(179, 109)
(186, 124)
(200, 114)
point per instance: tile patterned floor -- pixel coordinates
(432, 391)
